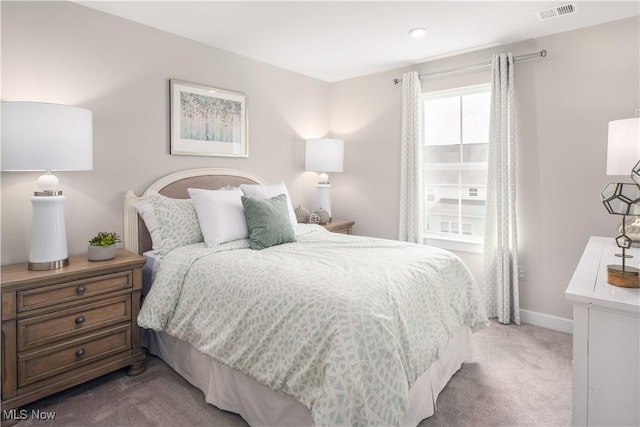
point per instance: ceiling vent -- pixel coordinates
(555, 12)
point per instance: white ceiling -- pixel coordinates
(337, 40)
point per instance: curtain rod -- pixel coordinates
(533, 55)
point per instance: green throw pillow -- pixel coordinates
(268, 221)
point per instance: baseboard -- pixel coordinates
(546, 321)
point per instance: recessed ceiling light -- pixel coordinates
(416, 33)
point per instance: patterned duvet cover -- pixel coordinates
(345, 324)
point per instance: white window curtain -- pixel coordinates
(500, 240)
(411, 159)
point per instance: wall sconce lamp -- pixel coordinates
(44, 137)
(623, 152)
(324, 155)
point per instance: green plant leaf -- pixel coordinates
(105, 238)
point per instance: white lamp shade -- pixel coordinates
(324, 155)
(623, 147)
(39, 136)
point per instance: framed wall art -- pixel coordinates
(207, 121)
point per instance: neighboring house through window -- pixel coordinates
(456, 135)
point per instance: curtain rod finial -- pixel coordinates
(396, 81)
(543, 53)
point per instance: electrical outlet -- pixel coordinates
(522, 274)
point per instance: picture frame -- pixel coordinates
(207, 121)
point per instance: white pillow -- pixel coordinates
(148, 215)
(268, 191)
(220, 214)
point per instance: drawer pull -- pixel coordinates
(79, 320)
(80, 290)
(80, 352)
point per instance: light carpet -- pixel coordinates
(519, 376)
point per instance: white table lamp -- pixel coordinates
(44, 137)
(324, 155)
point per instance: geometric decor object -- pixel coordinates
(631, 228)
(635, 173)
(621, 198)
(623, 241)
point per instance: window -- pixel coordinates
(456, 135)
(467, 229)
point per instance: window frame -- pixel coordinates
(457, 242)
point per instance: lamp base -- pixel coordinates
(324, 197)
(629, 277)
(48, 248)
(49, 265)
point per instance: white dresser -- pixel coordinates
(606, 340)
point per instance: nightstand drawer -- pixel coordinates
(39, 365)
(70, 292)
(47, 328)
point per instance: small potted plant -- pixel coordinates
(103, 246)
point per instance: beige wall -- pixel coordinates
(69, 54)
(564, 102)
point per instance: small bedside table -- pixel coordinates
(339, 226)
(66, 326)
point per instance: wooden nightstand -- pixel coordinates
(339, 226)
(63, 327)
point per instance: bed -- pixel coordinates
(326, 329)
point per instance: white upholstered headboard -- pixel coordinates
(136, 236)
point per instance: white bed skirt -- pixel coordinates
(235, 392)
